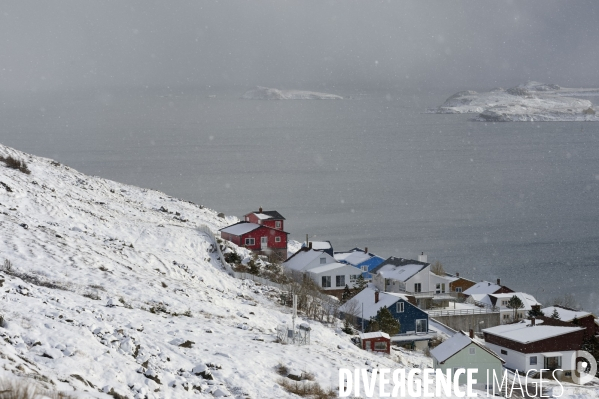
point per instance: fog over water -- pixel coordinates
(126, 91)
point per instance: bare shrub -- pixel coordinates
(437, 268)
(282, 369)
(306, 389)
(15, 163)
(92, 295)
(27, 389)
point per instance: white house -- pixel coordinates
(334, 276)
(500, 302)
(528, 345)
(306, 259)
(485, 287)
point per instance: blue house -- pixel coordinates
(360, 258)
(367, 303)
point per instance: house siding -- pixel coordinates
(565, 342)
(515, 360)
(481, 360)
(407, 318)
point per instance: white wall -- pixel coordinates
(344, 270)
(521, 361)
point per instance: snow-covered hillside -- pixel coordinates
(265, 93)
(532, 101)
(113, 288)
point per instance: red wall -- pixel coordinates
(270, 223)
(270, 233)
(368, 344)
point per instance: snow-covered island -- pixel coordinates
(532, 101)
(265, 93)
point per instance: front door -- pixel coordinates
(263, 242)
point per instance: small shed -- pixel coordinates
(376, 342)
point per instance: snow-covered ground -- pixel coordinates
(265, 93)
(532, 101)
(109, 280)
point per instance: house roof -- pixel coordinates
(399, 268)
(274, 215)
(527, 300)
(456, 343)
(565, 314)
(376, 334)
(241, 228)
(484, 287)
(302, 257)
(332, 266)
(322, 245)
(354, 258)
(524, 333)
(366, 298)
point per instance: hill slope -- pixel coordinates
(105, 281)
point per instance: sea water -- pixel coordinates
(515, 201)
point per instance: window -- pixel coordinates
(399, 307)
(353, 277)
(380, 346)
(277, 239)
(278, 225)
(458, 289)
(503, 352)
(417, 287)
(554, 362)
(533, 361)
(323, 261)
(503, 303)
(250, 241)
(340, 281)
(421, 326)
(472, 351)
(364, 268)
(438, 288)
(326, 281)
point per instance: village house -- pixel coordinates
(272, 219)
(360, 258)
(414, 278)
(461, 351)
(328, 274)
(261, 239)
(500, 302)
(458, 284)
(369, 301)
(485, 287)
(530, 344)
(576, 317)
(325, 246)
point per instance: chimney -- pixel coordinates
(310, 245)
(532, 321)
(365, 250)
(422, 257)
(376, 297)
(471, 333)
(498, 281)
(457, 274)
(260, 210)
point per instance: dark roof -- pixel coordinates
(274, 215)
(398, 262)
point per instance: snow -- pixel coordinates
(484, 287)
(262, 216)
(265, 93)
(400, 273)
(241, 228)
(450, 347)
(319, 245)
(366, 298)
(532, 101)
(331, 266)
(376, 334)
(564, 314)
(527, 300)
(302, 259)
(176, 308)
(524, 333)
(354, 258)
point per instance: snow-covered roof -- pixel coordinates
(524, 333)
(366, 298)
(262, 216)
(455, 344)
(240, 228)
(376, 334)
(332, 266)
(527, 300)
(321, 245)
(401, 273)
(484, 287)
(355, 258)
(303, 257)
(564, 314)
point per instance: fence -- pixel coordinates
(459, 312)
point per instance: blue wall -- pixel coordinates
(407, 319)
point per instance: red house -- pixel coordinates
(261, 232)
(376, 342)
(266, 218)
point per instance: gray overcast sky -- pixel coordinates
(297, 44)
